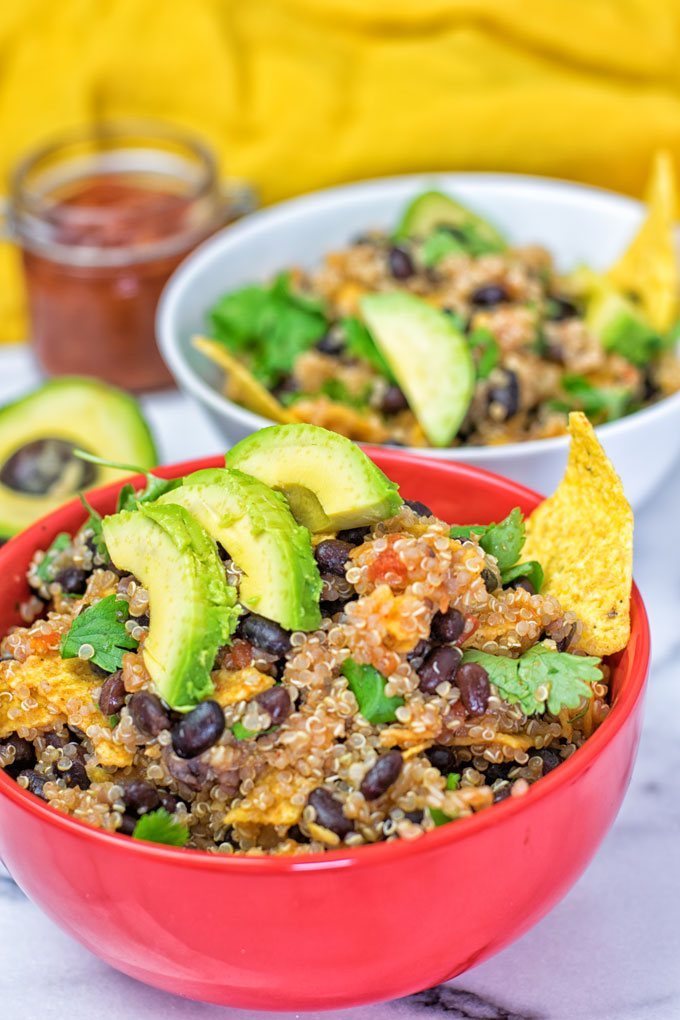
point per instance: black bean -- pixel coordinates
(489, 294)
(296, 833)
(497, 770)
(276, 703)
(38, 466)
(392, 442)
(475, 690)
(168, 801)
(400, 263)
(148, 713)
(560, 308)
(355, 536)
(76, 775)
(561, 633)
(333, 341)
(447, 627)
(54, 739)
(442, 757)
(127, 825)
(418, 508)
(98, 671)
(72, 580)
(329, 813)
(506, 394)
(193, 772)
(112, 694)
(522, 582)
(417, 654)
(415, 816)
(24, 755)
(198, 730)
(264, 634)
(650, 387)
(142, 620)
(491, 579)
(380, 776)
(140, 796)
(36, 781)
(332, 556)
(551, 758)
(440, 665)
(502, 793)
(393, 401)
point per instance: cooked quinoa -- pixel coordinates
(310, 772)
(531, 331)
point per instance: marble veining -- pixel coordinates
(609, 951)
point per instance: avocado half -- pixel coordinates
(38, 433)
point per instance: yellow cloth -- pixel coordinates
(297, 94)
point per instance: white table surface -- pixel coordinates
(609, 951)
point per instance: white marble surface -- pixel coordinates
(610, 950)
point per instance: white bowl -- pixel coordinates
(576, 223)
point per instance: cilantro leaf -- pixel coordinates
(637, 342)
(565, 677)
(130, 499)
(269, 325)
(242, 732)
(465, 239)
(94, 524)
(368, 687)
(483, 340)
(503, 540)
(438, 816)
(336, 390)
(604, 403)
(360, 344)
(44, 569)
(532, 570)
(568, 677)
(453, 781)
(160, 827)
(102, 626)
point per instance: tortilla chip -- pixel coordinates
(232, 686)
(270, 801)
(240, 385)
(649, 265)
(518, 741)
(43, 693)
(583, 538)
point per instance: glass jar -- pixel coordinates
(103, 216)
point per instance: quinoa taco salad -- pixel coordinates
(282, 656)
(440, 333)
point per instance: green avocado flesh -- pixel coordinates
(192, 609)
(255, 526)
(616, 322)
(38, 433)
(429, 357)
(434, 209)
(345, 488)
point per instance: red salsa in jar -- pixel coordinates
(101, 232)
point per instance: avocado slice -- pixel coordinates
(192, 609)
(620, 326)
(434, 209)
(429, 356)
(254, 524)
(38, 433)
(330, 482)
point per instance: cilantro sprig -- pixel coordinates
(160, 827)
(601, 403)
(129, 498)
(360, 344)
(564, 678)
(269, 326)
(93, 523)
(368, 686)
(532, 570)
(503, 540)
(102, 626)
(44, 570)
(484, 342)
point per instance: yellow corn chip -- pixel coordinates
(232, 686)
(649, 266)
(240, 385)
(41, 693)
(582, 536)
(270, 801)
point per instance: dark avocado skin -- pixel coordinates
(39, 432)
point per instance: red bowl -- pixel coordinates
(347, 927)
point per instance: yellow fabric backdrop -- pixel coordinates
(297, 94)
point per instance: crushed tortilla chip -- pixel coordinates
(240, 385)
(649, 266)
(232, 686)
(582, 536)
(322, 834)
(50, 691)
(404, 736)
(270, 801)
(518, 741)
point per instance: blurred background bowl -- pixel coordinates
(578, 224)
